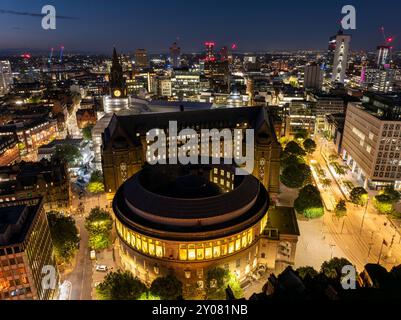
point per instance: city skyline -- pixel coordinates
(264, 27)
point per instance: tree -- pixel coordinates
(120, 286)
(217, 280)
(64, 235)
(87, 132)
(359, 196)
(326, 182)
(99, 224)
(288, 159)
(309, 146)
(69, 153)
(394, 195)
(307, 271)
(309, 202)
(96, 176)
(383, 203)
(294, 148)
(167, 288)
(341, 208)
(95, 187)
(333, 268)
(296, 175)
(301, 134)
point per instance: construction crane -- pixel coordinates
(387, 40)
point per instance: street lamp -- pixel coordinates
(363, 217)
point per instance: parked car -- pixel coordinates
(101, 268)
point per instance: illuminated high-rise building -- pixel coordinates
(6, 76)
(26, 250)
(383, 56)
(313, 76)
(175, 55)
(340, 56)
(210, 51)
(224, 53)
(141, 58)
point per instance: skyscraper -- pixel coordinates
(340, 56)
(224, 53)
(175, 55)
(313, 78)
(141, 58)
(210, 51)
(6, 77)
(383, 56)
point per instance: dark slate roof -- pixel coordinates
(207, 119)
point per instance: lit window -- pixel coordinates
(216, 251)
(200, 253)
(144, 245)
(224, 249)
(183, 253)
(208, 253)
(138, 243)
(231, 247)
(238, 244)
(191, 254)
(151, 248)
(159, 250)
(244, 241)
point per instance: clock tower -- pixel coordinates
(118, 87)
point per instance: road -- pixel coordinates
(359, 235)
(81, 276)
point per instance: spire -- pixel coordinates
(115, 56)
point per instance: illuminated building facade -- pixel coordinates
(31, 133)
(28, 180)
(9, 151)
(6, 76)
(189, 219)
(141, 58)
(175, 55)
(371, 144)
(25, 248)
(125, 149)
(341, 57)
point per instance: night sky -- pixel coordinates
(154, 24)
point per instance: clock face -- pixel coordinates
(117, 93)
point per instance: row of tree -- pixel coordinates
(295, 172)
(65, 237)
(121, 285)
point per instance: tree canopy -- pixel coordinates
(217, 280)
(333, 268)
(120, 286)
(87, 132)
(383, 203)
(69, 153)
(167, 288)
(296, 175)
(99, 224)
(307, 271)
(359, 196)
(309, 146)
(95, 187)
(341, 208)
(309, 202)
(64, 235)
(294, 148)
(96, 176)
(301, 134)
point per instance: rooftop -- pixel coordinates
(15, 220)
(283, 219)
